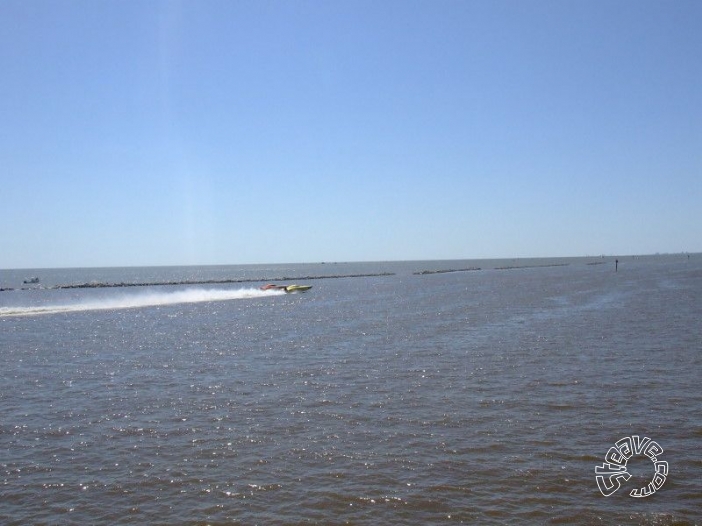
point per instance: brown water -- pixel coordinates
(484, 397)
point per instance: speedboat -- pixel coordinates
(290, 289)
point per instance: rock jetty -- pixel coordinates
(100, 284)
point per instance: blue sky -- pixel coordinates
(227, 132)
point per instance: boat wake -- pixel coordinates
(143, 299)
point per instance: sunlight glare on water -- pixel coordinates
(483, 396)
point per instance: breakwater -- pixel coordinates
(514, 267)
(445, 271)
(225, 281)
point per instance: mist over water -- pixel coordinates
(148, 298)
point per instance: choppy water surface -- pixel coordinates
(479, 397)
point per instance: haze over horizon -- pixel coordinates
(541, 261)
(214, 132)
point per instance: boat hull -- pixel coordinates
(293, 289)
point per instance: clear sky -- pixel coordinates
(137, 132)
